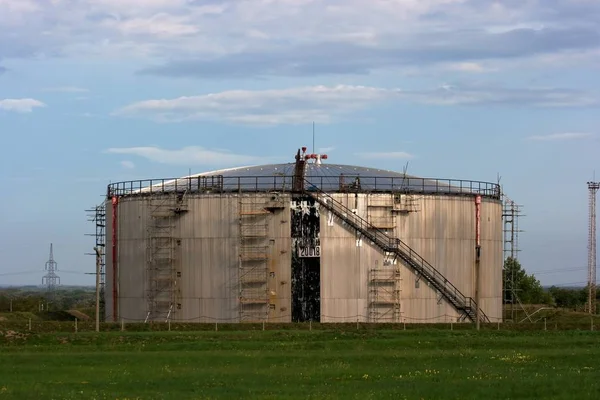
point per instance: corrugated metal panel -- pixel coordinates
(442, 231)
(209, 234)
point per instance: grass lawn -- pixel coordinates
(331, 364)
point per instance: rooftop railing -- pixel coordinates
(278, 183)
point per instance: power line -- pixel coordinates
(570, 284)
(37, 271)
(552, 271)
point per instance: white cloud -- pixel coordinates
(471, 67)
(229, 38)
(324, 150)
(324, 104)
(19, 6)
(187, 156)
(159, 24)
(20, 105)
(266, 107)
(127, 164)
(66, 89)
(561, 136)
(386, 155)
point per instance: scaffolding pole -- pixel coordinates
(511, 212)
(253, 259)
(384, 294)
(162, 256)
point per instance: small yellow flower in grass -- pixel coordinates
(365, 376)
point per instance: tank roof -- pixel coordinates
(318, 176)
(312, 170)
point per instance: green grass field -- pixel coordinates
(325, 364)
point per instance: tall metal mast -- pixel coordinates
(593, 189)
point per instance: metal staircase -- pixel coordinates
(466, 306)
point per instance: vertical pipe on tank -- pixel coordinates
(115, 202)
(477, 256)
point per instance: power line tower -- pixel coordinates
(51, 279)
(593, 189)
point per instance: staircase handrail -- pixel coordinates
(392, 244)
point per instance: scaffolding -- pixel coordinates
(253, 273)
(380, 211)
(162, 256)
(97, 215)
(383, 208)
(511, 212)
(405, 203)
(384, 294)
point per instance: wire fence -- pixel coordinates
(356, 323)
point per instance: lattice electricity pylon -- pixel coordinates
(593, 189)
(51, 280)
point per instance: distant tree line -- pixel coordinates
(516, 281)
(36, 300)
(529, 290)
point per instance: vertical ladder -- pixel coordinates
(253, 259)
(384, 295)
(162, 259)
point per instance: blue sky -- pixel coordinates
(108, 90)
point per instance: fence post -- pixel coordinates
(29, 323)
(122, 324)
(75, 325)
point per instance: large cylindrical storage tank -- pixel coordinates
(303, 241)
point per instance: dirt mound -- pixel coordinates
(12, 335)
(79, 315)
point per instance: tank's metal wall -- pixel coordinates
(131, 258)
(280, 263)
(442, 231)
(209, 259)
